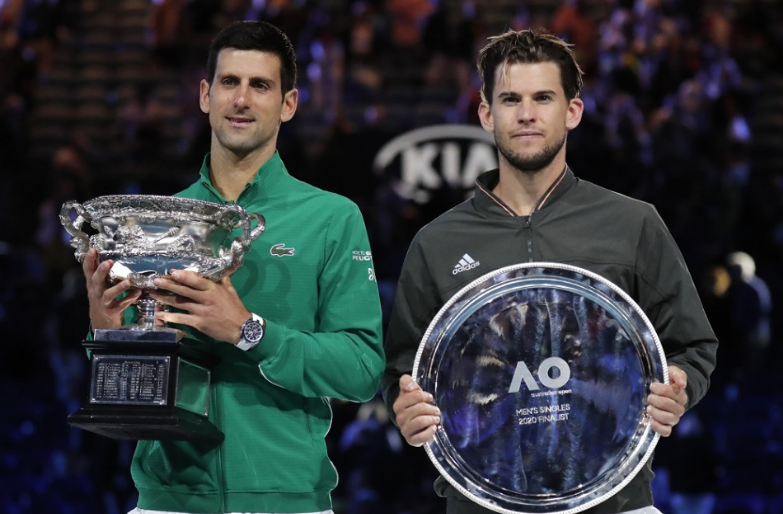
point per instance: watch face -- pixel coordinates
(252, 331)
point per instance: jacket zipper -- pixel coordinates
(529, 236)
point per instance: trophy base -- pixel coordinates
(147, 384)
(139, 423)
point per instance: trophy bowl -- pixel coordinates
(541, 372)
(147, 236)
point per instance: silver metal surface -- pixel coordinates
(541, 372)
(147, 236)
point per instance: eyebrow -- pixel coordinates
(512, 94)
(251, 80)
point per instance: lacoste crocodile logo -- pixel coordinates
(279, 250)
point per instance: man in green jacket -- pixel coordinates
(534, 209)
(297, 324)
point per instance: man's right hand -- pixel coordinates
(105, 309)
(417, 418)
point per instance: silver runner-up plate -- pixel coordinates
(541, 372)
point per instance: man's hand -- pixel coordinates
(212, 308)
(105, 309)
(417, 417)
(666, 403)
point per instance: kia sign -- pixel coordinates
(431, 158)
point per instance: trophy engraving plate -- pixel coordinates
(129, 380)
(541, 372)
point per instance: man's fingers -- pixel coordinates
(99, 274)
(173, 300)
(661, 429)
(424, 436)
(90, 262)
(677, 377)
(408, 400)
(128, 300)
(420, 423)
(663, 416)
(192, 280)
(179, 318)
(110, 294)
(407, 384)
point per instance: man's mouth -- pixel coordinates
(239, 121)
(527, 135)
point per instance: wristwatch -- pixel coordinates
(252, 332)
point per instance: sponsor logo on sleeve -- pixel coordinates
(361, 255)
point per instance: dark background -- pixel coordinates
(684, 110)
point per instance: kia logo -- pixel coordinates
(429, 158)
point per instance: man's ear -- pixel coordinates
(575, 109)
(203, 96)
(485, 116)
(290, 102)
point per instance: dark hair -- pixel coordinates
(260, 36)
(528, 46)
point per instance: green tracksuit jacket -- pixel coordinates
(576, 223)
(310, 275)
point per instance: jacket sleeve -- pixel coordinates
(669, 298)
(416, 302)
(343, 358)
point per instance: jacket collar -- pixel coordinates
(486, 201)
(265, 182)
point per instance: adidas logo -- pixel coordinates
(465, 263)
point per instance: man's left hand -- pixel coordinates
(666, 403)
(212, 308)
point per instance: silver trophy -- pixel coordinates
(541, 372)
(145, 382)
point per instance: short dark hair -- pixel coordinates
(528, 46)
(260, 36)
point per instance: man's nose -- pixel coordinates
(526, 112)
(240, 97)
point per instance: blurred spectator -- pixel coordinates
(450, 38)
(366, 40)
(751, 309)
(171, 28)
(140, 125)
(573, 23)
(408, 18)
(70, 180)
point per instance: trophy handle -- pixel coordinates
(260, 226)
(241, 244)
(79, 239)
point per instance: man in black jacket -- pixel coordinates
(534, 209)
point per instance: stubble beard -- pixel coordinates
(241, 145)
(530, 163)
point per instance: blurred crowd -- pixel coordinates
(682, 100)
